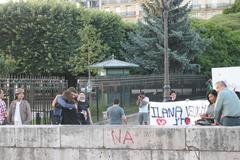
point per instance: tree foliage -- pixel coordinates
(234, 9)
(223, 49)
(145, 45)
(7, 64)
(42, 35)
(92, 50)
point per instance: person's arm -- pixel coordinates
(64, 104)
(124, 118)
(54, 102)
(205, 115)
(29, 113)
(4, 110)
(108, 115)
(218, 107)
(90, 116)
(138, 101)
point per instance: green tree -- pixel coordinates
(145, 45)
(40, 35)
(111, 28)
(92, 50)
(222, 34)
(234, 9)
(43, 35)
(7, 64)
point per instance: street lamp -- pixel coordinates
(166, 87)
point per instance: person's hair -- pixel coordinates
(172, 91)
(16, 95)
(67, 95)
(222, 83)
(115, 101)
(72, 89)
(142, 93)
(212, 92)
(82, 92)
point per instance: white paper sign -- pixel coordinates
(176, 113)
(230, 75)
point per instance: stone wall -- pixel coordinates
(119, 143)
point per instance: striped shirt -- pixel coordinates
(3, 111)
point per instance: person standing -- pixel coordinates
(69, 114)
(116, 114)
(173, 96)
(58, 103)
(83, 109)
(20, 111)
(227, 106)
(143, 102)
(3, 110)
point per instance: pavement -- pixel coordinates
(132, 120)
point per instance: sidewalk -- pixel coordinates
(132, 120)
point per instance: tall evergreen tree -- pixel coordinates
(145, 46)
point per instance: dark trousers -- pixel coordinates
(230, 121)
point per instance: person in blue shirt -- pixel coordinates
(65, 108)
(116, 114)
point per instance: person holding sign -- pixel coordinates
(208, 117)
(173, 96)
(227, 107)
(143, 103)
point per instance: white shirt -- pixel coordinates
(143, 108)
(17, 116)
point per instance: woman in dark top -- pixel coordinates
(83, 109)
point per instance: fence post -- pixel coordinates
(38, 118)
(97, 103)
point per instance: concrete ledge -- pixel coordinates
(175, 155)
(109, 154)
(220, 155)
(81, 136)
(213, 138)
(37, 136)
(119, 143)
(135, 137)
(7, 136)
(39, 154)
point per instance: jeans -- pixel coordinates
(227, 121)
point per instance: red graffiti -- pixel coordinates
(161, 121)
(187, 120)
(119, 138)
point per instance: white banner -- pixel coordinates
(230, 75)
(177, 113)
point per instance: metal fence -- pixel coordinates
(39, 91)
(126, 89)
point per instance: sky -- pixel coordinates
(3, 1)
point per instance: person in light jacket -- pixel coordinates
(20, 111)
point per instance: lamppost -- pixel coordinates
(166, 87)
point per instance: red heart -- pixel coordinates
(187, 120)
(161, 121)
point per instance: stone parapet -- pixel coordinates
(119, 143)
